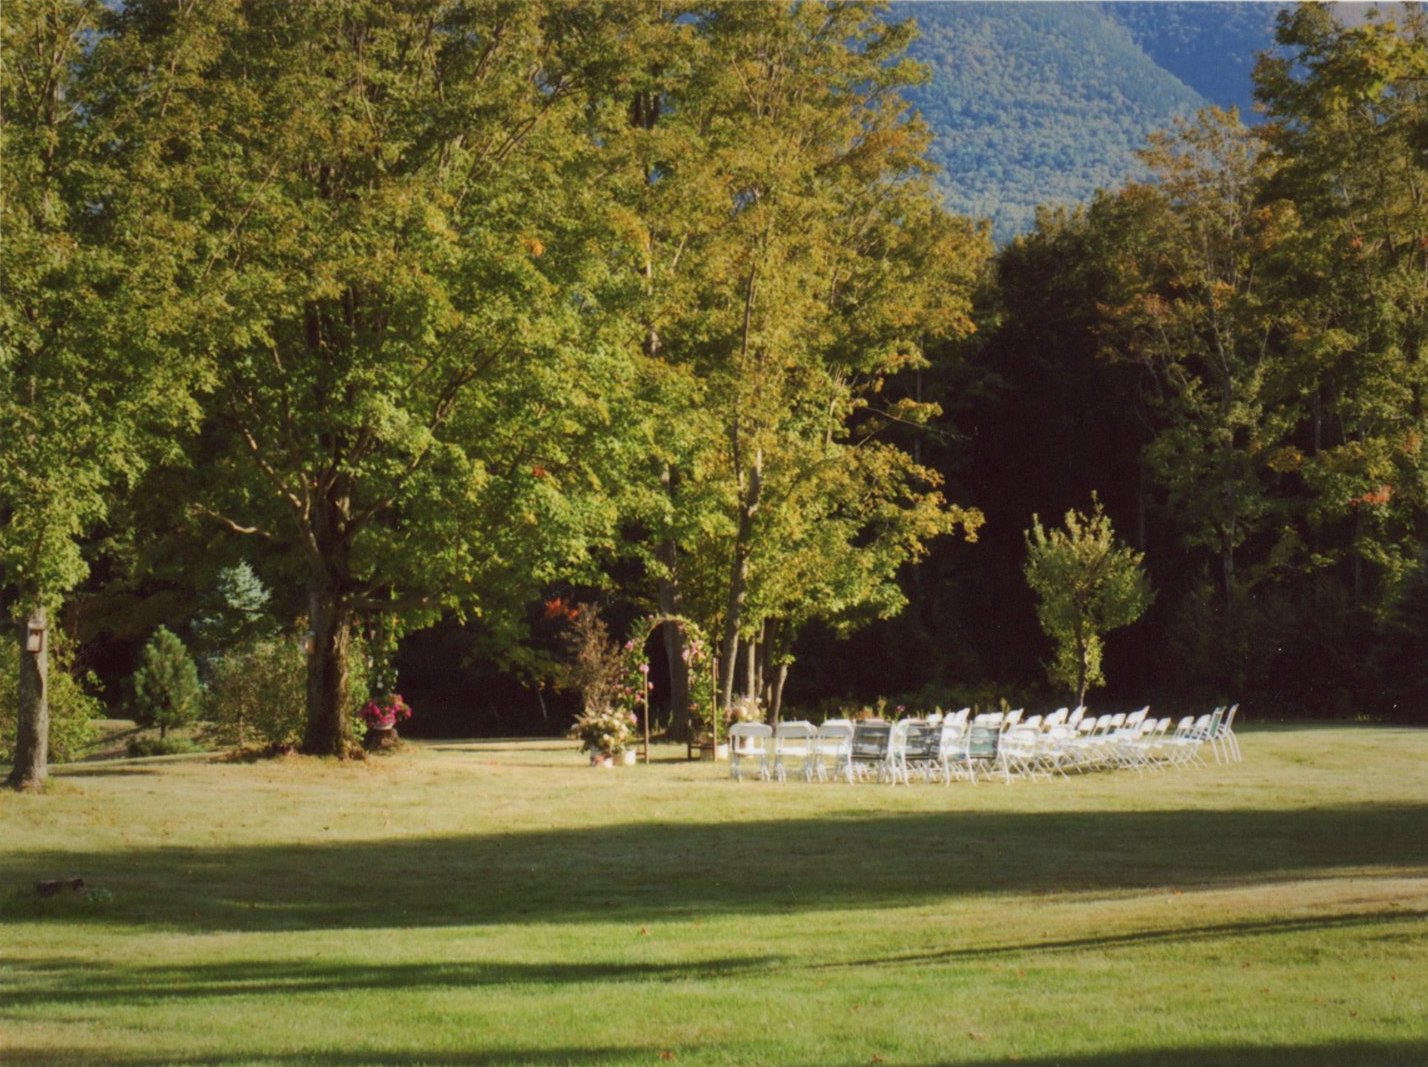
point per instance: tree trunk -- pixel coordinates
(32, 735)
(751, 668)
(729, 653)
(776, 699)
(672, 603)
(331, 623)
(1082, 655)
(681, 717)
(739, 580)
(773, 666)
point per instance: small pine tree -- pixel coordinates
(166, 691)
(1086, 584)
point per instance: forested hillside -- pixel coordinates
(1044, 103)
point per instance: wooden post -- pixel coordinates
(648, 687)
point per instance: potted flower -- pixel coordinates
(746, 709)
(606, 733)
(381, 716)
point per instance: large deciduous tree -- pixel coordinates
(87, 379)
(1193, 305)
(1347, 138)
(790, 258)
(410, 399)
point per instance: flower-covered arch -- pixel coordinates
(696, 655)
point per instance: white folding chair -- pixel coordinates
(832, 747)
(751, 741)
(1226, 735)
(794, 740)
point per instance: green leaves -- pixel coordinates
(1087, 584)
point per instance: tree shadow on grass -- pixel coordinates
(1169, 935)
(652, 871)
(88, 982)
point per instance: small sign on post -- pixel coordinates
(35, 638)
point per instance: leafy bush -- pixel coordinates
(73, 706)
(165, 688)
(607, 730)
(258, 694)
(595, 665)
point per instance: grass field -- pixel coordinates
(502, 903)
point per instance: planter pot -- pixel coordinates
(713, 752)
(601, 759)
(377, 739)
(627, 758)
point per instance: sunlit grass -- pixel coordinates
(503, 903)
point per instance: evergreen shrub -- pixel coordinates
(165, 688)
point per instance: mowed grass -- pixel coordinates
(504, 903)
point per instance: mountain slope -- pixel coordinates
(1211, 47)
(1041, 103)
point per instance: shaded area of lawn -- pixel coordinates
(650, 871)
(65, 982)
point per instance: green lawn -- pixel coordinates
(503, 903)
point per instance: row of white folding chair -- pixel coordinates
(1133, 741)
(814, 751)
(838, 748)
(1034, 746)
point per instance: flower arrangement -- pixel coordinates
(605, 730)
(384, 714)
(746, 709)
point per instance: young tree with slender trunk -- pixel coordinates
(1086, 584)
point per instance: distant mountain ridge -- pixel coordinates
(1043, 103)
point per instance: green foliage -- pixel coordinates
(785, 258)
(74, 707)
(92, 380)
(257, 695)
(165, 688)
(1194, 302)
(1086, 585)
(1346, 143)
